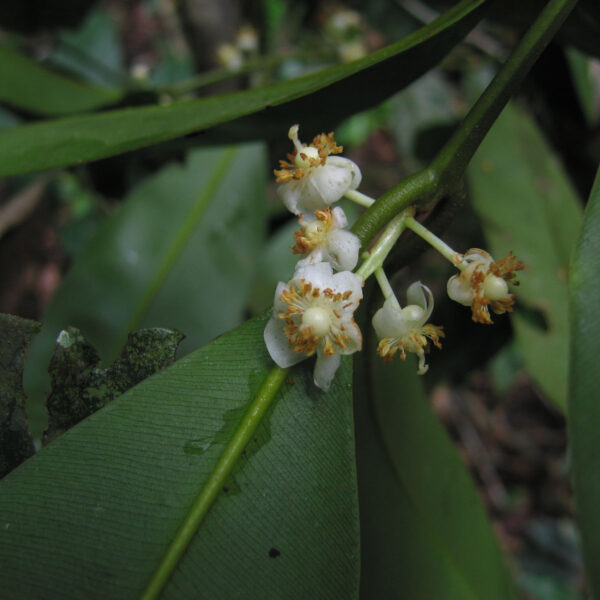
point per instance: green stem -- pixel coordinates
(385, 286)
(443, 176)
(433, 240)
(213, 486)
(452, 160)
(415, 189)
(375, 257)
(359, 198)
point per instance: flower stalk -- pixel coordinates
(359, 198)
(433, 240)
(377, 255)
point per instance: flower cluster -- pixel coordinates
(313, 313)
(233, 56)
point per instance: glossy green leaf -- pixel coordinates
(526, 204)
(16, 443)
(27, 84)
(180, 253)
(361, 84)
(80, 387)
(584, 408)
(424, 530)
(90, 516)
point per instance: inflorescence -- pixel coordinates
(314, 312)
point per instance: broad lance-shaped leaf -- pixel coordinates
(584, 405)
(29, 85)
(527, 204)
(80, 387)
(91, 515)
(361, 83)
(179, 253)
(15, 440)
(424, 530)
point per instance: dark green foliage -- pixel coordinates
(110, 494)
(80, 387)
(15, 440)
(584, 394)
(314, 99)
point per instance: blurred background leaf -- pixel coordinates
(16, 443)
(92, 52)
(26, 84)
(424, 530)
(584, 407)
(179, 253)
(361, 83)
(586, 78)
(527, 204)
(110, 493)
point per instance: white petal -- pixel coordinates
(342, 249)
(331, 181)
(278, 304)
(388, 320)
(302, 197)
(477, 256)
(346, 163)
(289, 193)
(459, 292)
(420, 295)
(320, 275)
(354, 344)
(279, 346)
(414, 316)
(346, 280)
(325, 369)
(314, 257)
(338, 218)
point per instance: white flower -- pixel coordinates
(483, 283)
(247, 39)
(404, 329)
(324, 240)
(230, 57)
(312, 179)
(313, 313)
